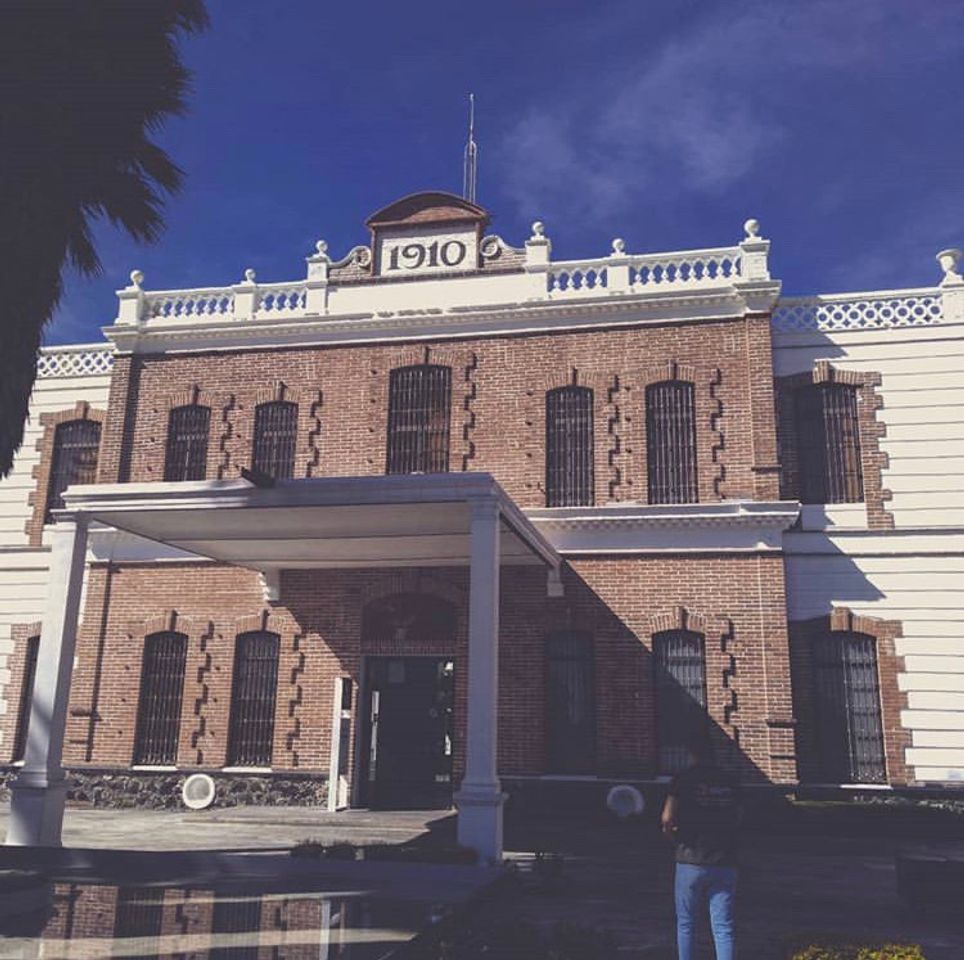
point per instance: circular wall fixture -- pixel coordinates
(625, 801)
(198, 791)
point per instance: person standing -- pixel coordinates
(702, 816)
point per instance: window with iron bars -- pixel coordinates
(187, 443)
(162, 692)
(275, 435)
(680, 666)
(671, 442)
(571, 702)
(253, 696)
(237, 915)
(828, 443)
(849, 729)
(419, 411)
(569, 447)
(76, 443)
(138, 916)
(31, 653)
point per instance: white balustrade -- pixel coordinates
(282, 299)
(685, 270)
(859, 311)
(577, 277)
(176, 304)
(74, 361)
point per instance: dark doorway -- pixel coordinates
(408, 731)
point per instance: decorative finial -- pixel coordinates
(949, 259)
(249, 275)
(619, 246)
(322, 247)
(538, 230)
(137, 278)
(751, 228)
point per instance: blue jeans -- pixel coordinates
(694, 885)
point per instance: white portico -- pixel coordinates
(444, 519)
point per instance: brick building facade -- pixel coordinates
(633, 410)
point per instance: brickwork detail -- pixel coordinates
(20, 633)
(37, 499)
(889, 667)
(873, 460)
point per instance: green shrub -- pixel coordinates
(844, 951)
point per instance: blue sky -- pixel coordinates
(837, 123)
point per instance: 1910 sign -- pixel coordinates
(429, 251)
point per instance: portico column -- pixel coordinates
(37, 795)
(480, 798)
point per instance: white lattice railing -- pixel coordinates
(282, 299)
(686, 269)
(172, 304)
(74, 361)
(577, 277)
(859, 311)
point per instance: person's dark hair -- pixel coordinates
(700, 746)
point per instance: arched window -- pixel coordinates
(419, 408)
(680, 666)
(849, 730)
(671, 442)
(162, 692)
(254, 693)
(187, 443)
(569, 447)
(275, 434)
(76, 443)
(26, 698)
(828, 443)
(570, 703)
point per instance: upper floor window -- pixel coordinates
(828, 443)
(569, 447)
(74, 459)
(419, 409)
(680, 662)
(187, 443)
(571, 702)
(275, 434)
(671, 442)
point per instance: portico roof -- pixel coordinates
(415, 519)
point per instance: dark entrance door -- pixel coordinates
(408, 732)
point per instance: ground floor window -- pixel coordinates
(26, 698)
(162, 692)
(680, 668)
(253, 695)
(850, 740)
(571, 703)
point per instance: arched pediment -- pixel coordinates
(430, 206)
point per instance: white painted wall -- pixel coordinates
(23, 569)
(914, 574)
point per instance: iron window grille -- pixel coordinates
(187, 442)
(849, 727)
(139, 916)
(31, 655)
(671, 442)
(569, 447)
(828, 444)
(680, 666)
(253, 695)
(275, 436)
(419, 411)
(76, 443)
(571, 703)
(236, 915)
(161, 696)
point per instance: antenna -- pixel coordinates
(470, 166)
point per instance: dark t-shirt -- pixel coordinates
(708, 816)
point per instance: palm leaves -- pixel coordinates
(84, 84)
